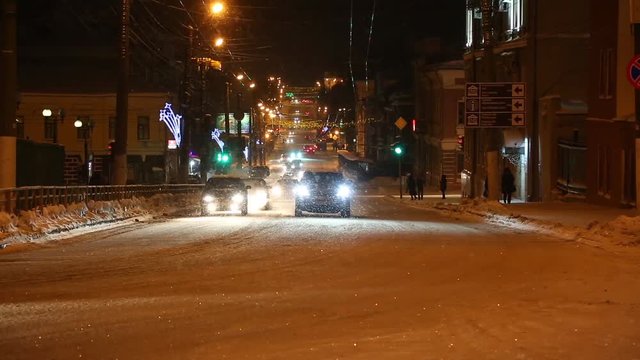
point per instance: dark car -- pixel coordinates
(309, 148)
(222, 193)
(259, 172)
(323, 192)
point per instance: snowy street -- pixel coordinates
(394, 282)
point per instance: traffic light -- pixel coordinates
(223, 158)
(398, 148)
(460, 142)
(110, 148)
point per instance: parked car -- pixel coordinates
(259, 172)
(323, 192)
(223, 193)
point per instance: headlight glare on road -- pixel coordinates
(301, 191)
(344, 191)
(276, 190)
(207, 198)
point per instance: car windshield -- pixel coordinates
(223, 183)
(322, 177)
(255, 183)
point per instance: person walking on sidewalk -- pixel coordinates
(508, 185)
(420, 180)
(411, 186)
(443, 185)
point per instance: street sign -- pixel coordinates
(401, 123)
(495, 104)
(633, 72)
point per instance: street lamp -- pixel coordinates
(87, 128)
(217, 8)
(240, 76)
(218, 42)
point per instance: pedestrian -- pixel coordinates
(508, 185)
(411, 186)
(443, 185)
(420, 180)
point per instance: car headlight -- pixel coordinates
(344, 191)
(237, 198)
(301, 191)
(300, 174)
(207, 198)
(276, 190)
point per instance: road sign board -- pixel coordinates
(495, 104)
(401, 123)
(633, 71)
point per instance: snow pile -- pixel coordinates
(621, 231)
(29, 225)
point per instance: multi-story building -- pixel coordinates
(534, 42)
(611, 124)
(439, 128)
(146, 141)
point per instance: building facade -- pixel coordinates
(536, 43)
(53, 117)
(439, 128)
(611, 124)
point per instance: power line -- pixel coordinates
(353, 83)
(366, 61)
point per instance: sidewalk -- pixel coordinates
(570, 212)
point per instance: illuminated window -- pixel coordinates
(143, 128)
(469, 27)
(514, 10)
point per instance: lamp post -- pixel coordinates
(86, 134)
(49, 115)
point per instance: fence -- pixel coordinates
(19, 199)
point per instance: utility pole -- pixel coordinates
(226, 108)
(183, 165)
(8, 88)
(122, 101)
(240, 112)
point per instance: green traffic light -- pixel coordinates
(223, 158)
(398, 150)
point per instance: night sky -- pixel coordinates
(298, 39)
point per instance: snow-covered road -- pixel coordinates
(394, 282)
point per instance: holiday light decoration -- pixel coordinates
(215, 136)
(173, 122)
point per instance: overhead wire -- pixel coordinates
(353, 83)
(366, 61)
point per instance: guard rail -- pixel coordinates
(15, 200)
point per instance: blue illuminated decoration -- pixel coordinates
(173, 122)
(246, 153)
(215, 135)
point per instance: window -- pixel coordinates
(143, 128)
(83, 131)
(112, 127)
(514, 9)
(605, 81)
(469, 27)
(49, 128)
(20, 127)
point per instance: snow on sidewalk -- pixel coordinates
(604, 227)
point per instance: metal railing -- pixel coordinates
(14, 200)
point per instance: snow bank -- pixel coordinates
(32, 224)
(622, 231)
